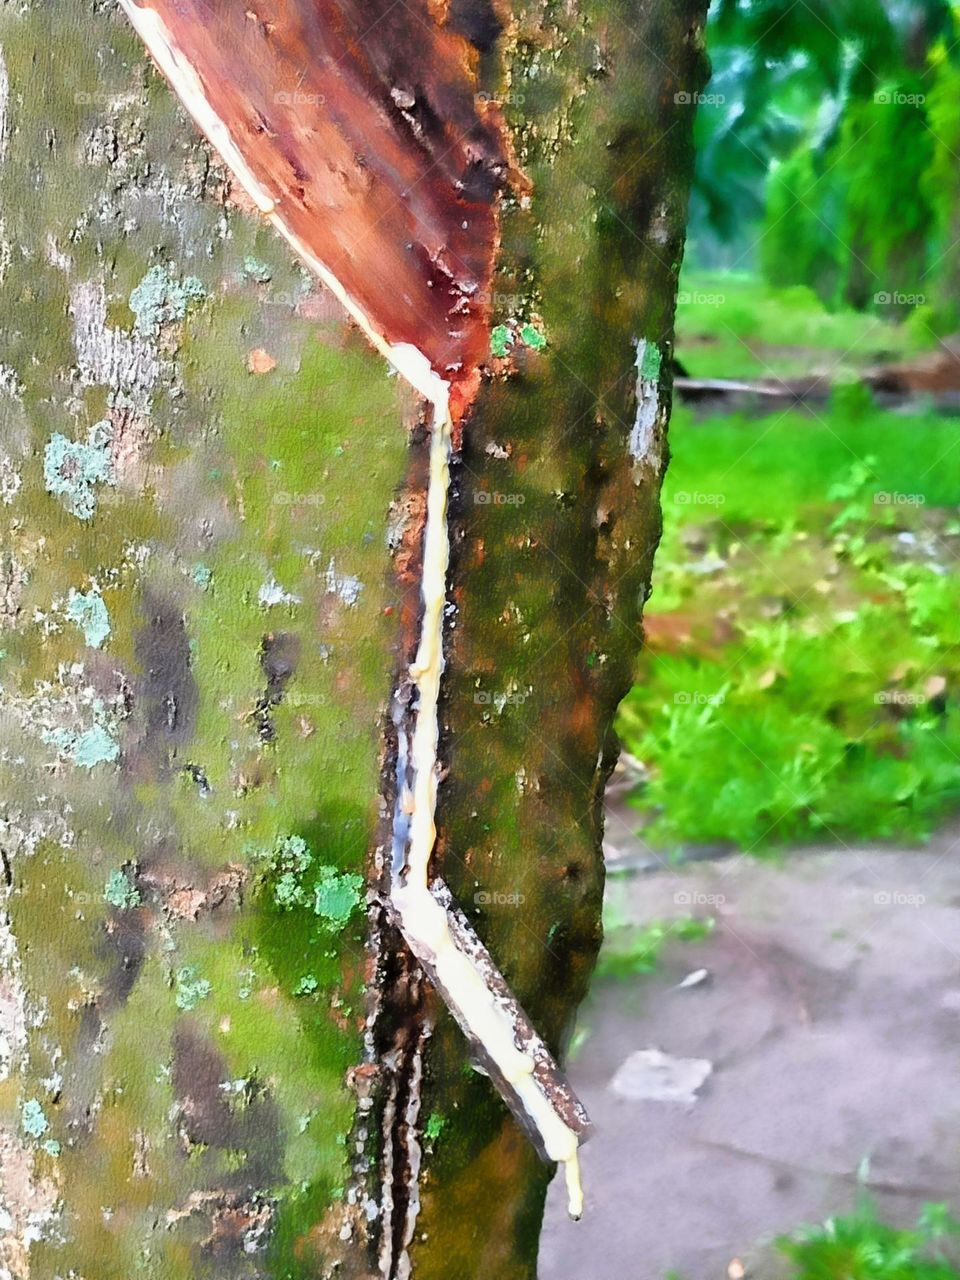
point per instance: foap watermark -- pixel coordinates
(899, 698)
(504, 303)
(284, 297)
(298, 98)
(697, 698)
(98, 98)
(697, 99)
(897, 898)
(486, 898)
(897, 98)
(694, 898)
(693, 498)
(511, 99)
(898, 298)
(285, 499)
(697, 298)
(487, 498)
(296, 700)
(890, 498)
(484, 699)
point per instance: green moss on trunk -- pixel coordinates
(184, 897)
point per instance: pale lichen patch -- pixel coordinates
(256, 270)
(88, 748)
(120, 891)
(191, 988)
(4, 106)
(645, 442)
(89, 613)
(343, 585)
(13, 1018)
(13, 579)
(33, 1119)
(271, 593)
(6, 251)
(71, 716)
(161, 299)
(128, 363)
(28, 1208)
(22, 832)
(71, 469)
(10, 384)
(116, 140)
(28, 1204)
(10, 481)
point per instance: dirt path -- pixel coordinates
(831, 1017)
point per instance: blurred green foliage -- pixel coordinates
(631, 950)
(862, 1247)
(799, 245)
(735, 326)
(827, 151)
(941, 186)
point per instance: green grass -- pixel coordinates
(632, 950)
(772, 468)
(735, 326)
(803, 658)
(861, 1247)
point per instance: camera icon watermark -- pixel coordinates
(298, 98)
(487, 498)
(896, 98)
(484, 699)
(485, 898)
(510, 99)
(692, 498)
(898, 698)
(898, 298)
(697, 698)
(98, 98)
(296, 699)
(887, 498)
(284, 499)
(506, 303)
(697, 298)
(697, 99)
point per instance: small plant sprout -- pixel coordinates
(434, 1127)
(436, 338)
(506, 337)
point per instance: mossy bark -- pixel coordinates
(196, 1076)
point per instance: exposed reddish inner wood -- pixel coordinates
(360, 119)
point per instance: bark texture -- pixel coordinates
(217, 1057)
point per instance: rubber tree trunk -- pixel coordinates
(217, 1057)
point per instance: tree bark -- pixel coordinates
(218, 1056)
